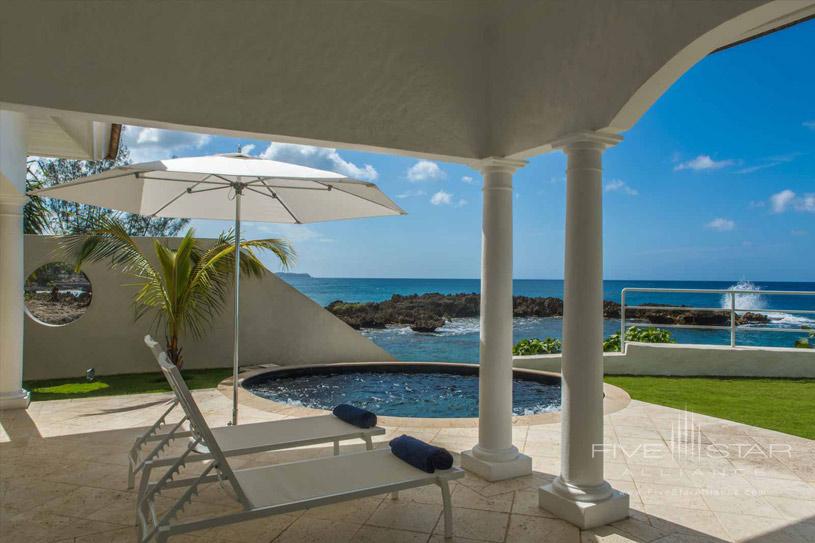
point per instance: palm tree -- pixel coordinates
(189, 285)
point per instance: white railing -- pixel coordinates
(732, 309)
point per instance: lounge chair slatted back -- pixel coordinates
(198, 424)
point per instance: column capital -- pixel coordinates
(589, 137)
(498, 164)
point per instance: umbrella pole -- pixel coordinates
(236, 336)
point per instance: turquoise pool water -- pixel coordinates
(413, 393)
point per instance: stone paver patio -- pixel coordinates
(63, 478)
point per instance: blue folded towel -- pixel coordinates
(354, 415)
(421, 455)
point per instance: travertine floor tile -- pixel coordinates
(473, 524)
(406, 515)
(314, 530)
(523, 529)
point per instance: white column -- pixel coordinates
(495, 457)
(12, 199)
(580, 494)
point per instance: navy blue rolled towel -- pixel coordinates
(421, 455)
(354, 415)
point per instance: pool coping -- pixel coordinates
(615, 398)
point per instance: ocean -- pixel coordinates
(457, 341)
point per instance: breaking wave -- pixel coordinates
(754, 301)
(751, 301)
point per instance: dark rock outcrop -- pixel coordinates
(428, 312)
(427, 323)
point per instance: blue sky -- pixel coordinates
(715, 182)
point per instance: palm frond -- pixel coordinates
(108, 240)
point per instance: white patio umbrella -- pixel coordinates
(202, 187)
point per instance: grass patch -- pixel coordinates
(785, 405)
(114, 385)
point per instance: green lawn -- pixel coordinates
(133, 383)
(786, 405)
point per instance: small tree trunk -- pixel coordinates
(174, 351)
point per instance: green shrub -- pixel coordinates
(612, 343)
(642, 335)
(549, 345)
(806, 342)
(527, 347)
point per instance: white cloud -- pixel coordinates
(461, 202)
(799, 232)
(721, 224)
(441, 198)
(467, 179)
(769, 162)
(703, 162)
(809, 124)
(411, 194)
(147, 144)
(781, 200)
(425, 170)
(324, 158)
(618, 185)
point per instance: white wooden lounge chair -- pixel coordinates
(241, 439)
(280, 488)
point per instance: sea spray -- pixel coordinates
(749, 301)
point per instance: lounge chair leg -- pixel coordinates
(448, 509)
(132, 460)
(369, 444)
(131, 476)
(336, 448)
(143, 482)
(395, 495)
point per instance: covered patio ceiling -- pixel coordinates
(456, 79)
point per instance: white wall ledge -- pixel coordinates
(694, 360)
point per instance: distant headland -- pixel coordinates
(290, 275)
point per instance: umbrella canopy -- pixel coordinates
(202, 187)
(195, 187)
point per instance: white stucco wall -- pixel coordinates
(279, 325)
(700, 360)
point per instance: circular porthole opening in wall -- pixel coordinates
(56, 294)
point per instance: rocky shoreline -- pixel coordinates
(428, 312)
(57, 308)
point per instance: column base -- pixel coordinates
(584, 514)
(19, 399)
(489, 470)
